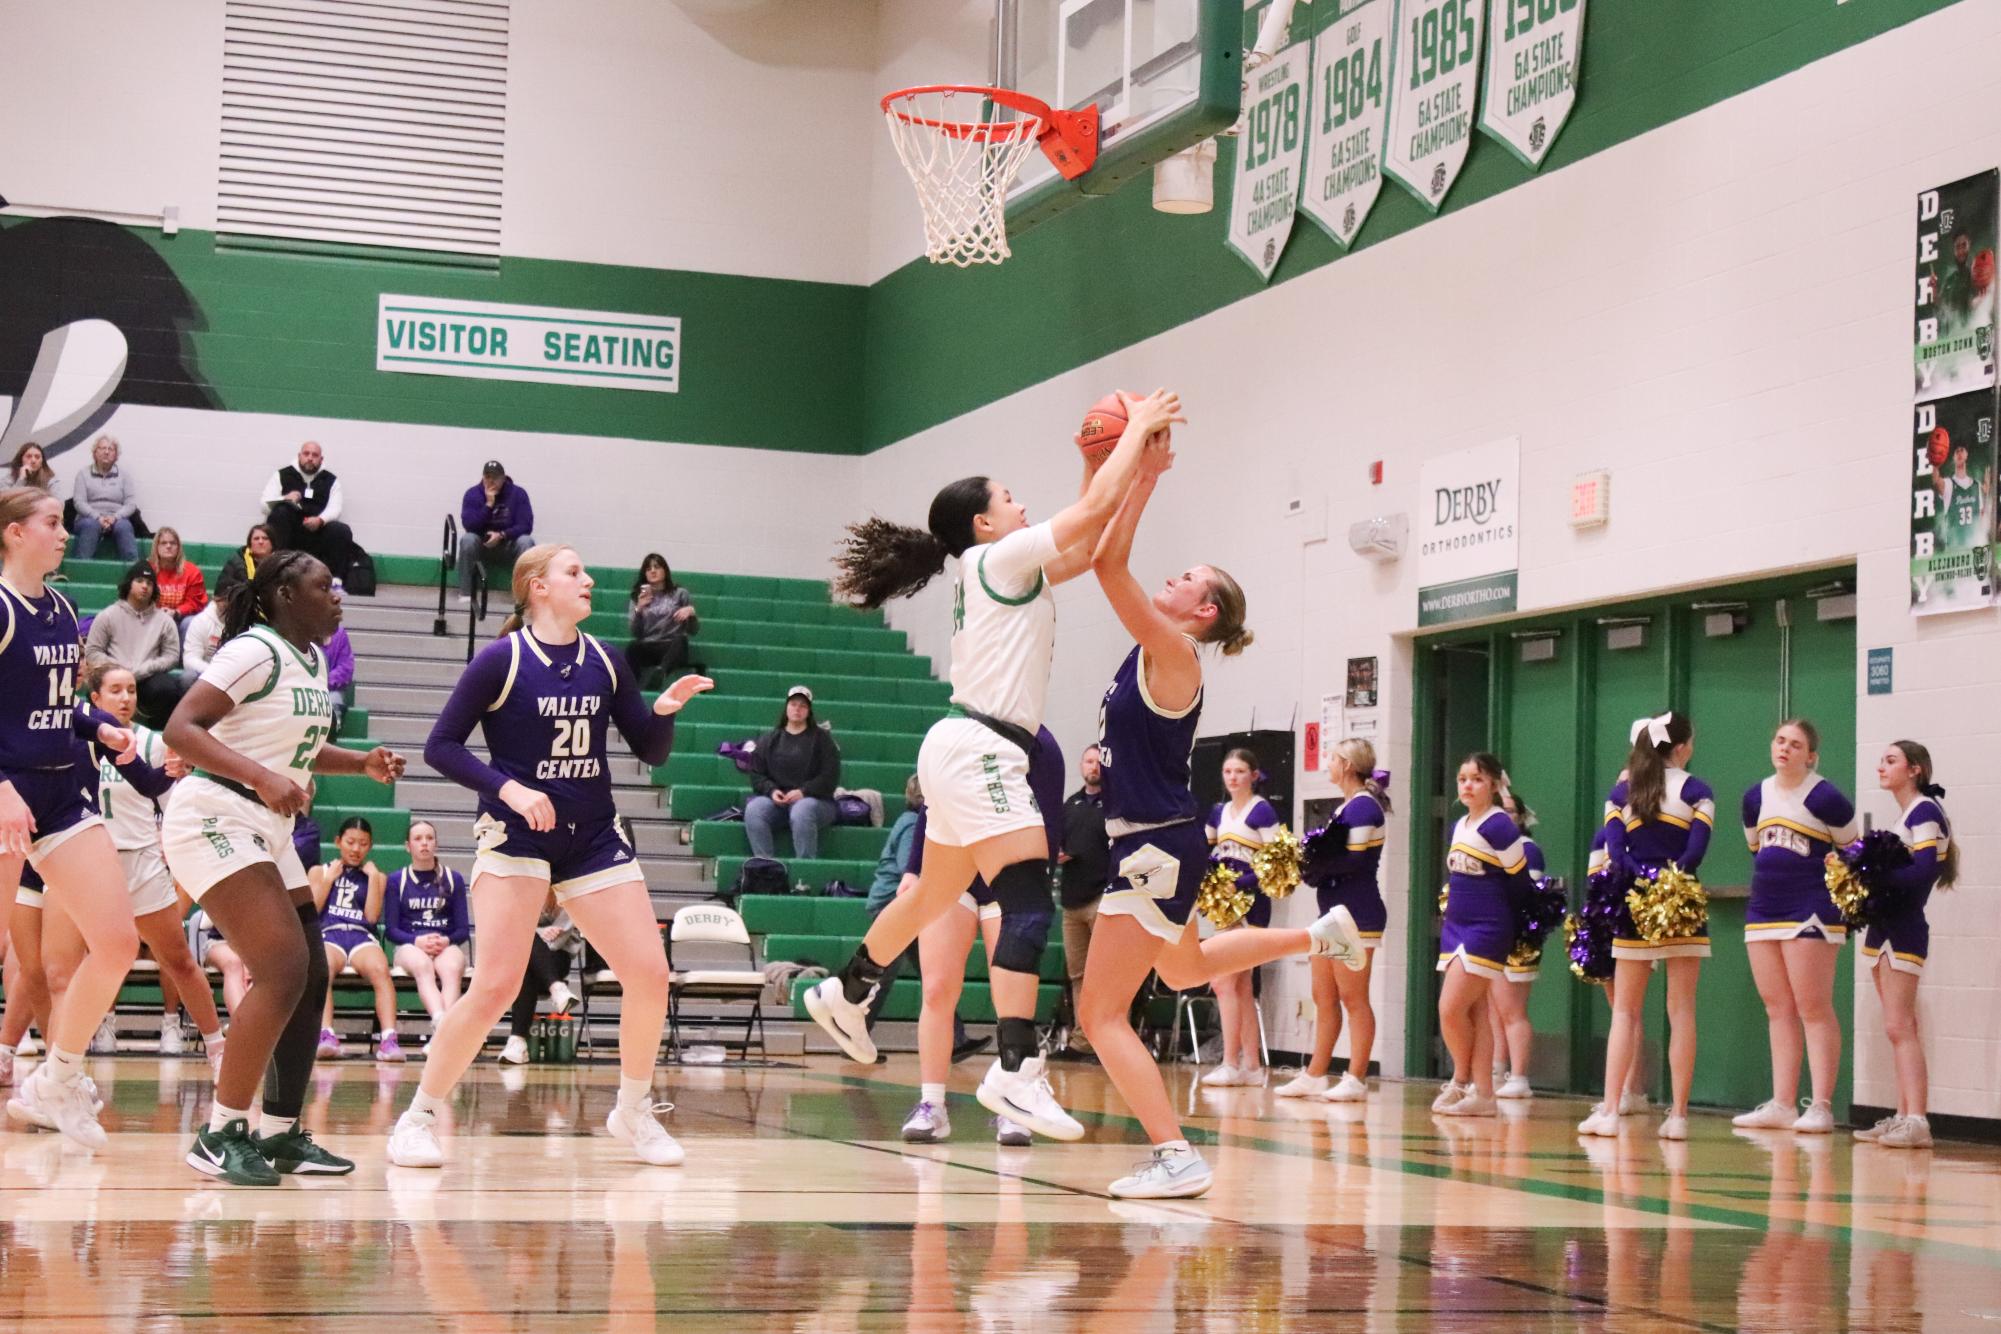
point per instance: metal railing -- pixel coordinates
(448, 560)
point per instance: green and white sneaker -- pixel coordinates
(295, 1154)
(229, 1154)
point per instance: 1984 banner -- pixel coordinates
(1952, 504)
(1351, 59)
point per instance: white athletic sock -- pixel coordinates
(427, 1104)
(211, 1039)
(6, 1049)
(269, 1125)
(1176, 1146)
(220, 1116)
(633, 1094)
(932, 1093)
(65, 1067)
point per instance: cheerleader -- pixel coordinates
(1488, 865)
(48, 807)
(1508, 1007)
(1238, 827)
(424, 916)
(129, 796)
(1146, 920)
(1658, 813)
(255, 728)
(546, 694)
(349, 891)
(973, 765)
(1348, 878)
(1792, 930)
(1896, 950)
(941, 953)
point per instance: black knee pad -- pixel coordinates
(1022, 891)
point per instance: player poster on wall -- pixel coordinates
(1534, 51)
(1351, 58)
(1434, 81)
(1955, 287)
(1270, 153)
(1952, 504)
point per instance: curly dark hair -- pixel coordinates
(880, 560)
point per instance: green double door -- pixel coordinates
(1555, 698)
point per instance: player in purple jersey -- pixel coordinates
(1146, 920)
(424, 916)
(48, 807)
(545, 694)
(235, 855)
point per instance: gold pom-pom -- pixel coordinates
(1220, 900)
(1670, 905)
(1277, 863)
(1844, 886)
(1525, 955)
(1444, 896)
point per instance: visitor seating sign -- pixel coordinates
(426, 335)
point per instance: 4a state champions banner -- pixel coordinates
(1270, 153)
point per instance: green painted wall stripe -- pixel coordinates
(1112, 272)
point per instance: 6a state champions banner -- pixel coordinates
(1350, 118)
(1534, 50)
(1434, 79)
(1955, 287)
(1952, 504)
(1270, 153)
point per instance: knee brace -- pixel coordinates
(1022, 891)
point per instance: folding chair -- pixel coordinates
(713, 924)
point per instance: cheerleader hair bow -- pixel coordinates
(1657, 729)
(1932, 790)
(1381, 778)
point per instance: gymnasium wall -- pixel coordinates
(1717, 311)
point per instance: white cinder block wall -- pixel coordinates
(1718, 312)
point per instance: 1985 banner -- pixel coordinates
(1952, 504)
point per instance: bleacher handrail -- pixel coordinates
(446, 559)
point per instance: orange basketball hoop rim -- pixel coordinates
(1069, 139)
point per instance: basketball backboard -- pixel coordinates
(1164, 75)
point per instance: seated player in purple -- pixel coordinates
(349, 891)
(1793, 933)
(1146, 921)
(424, 916)
(1016, 935)
(48, 807)
(545, 694)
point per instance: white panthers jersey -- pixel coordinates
(1004, 627)
(132, 816)
(283, 712)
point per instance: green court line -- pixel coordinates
(1848, 1234)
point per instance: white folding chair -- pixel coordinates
(713, 979)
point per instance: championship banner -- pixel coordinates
(1350, 119)
(1534, 51)
(1434, 79)
(1270, 153)
(1955, 288)
(1952, 504)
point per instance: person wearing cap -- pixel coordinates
(794, 771)
(496, 524)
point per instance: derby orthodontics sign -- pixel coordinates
(426, 335)
(1468, 511)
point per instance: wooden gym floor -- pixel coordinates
(799, 1209)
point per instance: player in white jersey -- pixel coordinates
(129, 797)
(973, 765)
(255, 728)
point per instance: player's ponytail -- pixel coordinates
(1227, 631)
(1654, 740)
(254, 601)
(879, 560)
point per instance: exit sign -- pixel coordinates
(1590, 499)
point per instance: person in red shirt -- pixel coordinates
(182, 591)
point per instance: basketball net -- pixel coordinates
(963, 166)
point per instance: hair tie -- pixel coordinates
(1380, 777)
(1260, 778)
(1932, 790)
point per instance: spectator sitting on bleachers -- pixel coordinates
(105, 503)
(551, 955)
(201, 636)
(340, 666)
(135, 634)
(794, 772)
(663, 619)
(257, 545)
(348, 892)
(496, 524)
(424, 916)
(303, 504)
(30, 467)
(182, 590)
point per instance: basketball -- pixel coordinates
(1103, 425)
(1939, 448)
